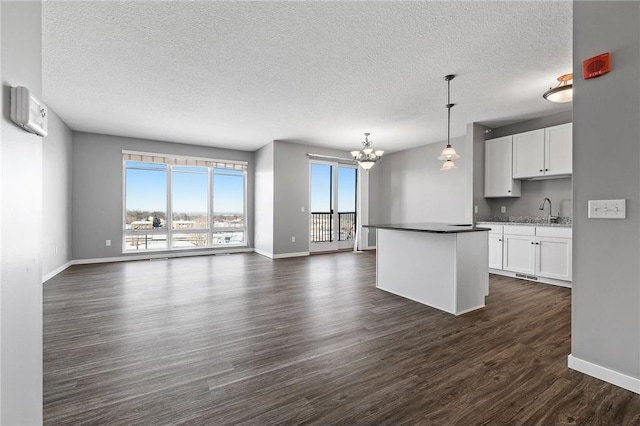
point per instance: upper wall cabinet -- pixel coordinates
(498, 180)
(558, 153)
(543, 153)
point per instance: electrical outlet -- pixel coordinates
(56, 250)
(475, 209)
(302, 209)
(293, 239)
(503, 209)
(107, 243)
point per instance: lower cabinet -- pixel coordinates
(495, 251)
(519, 254)
(553, 258)
(531, 252)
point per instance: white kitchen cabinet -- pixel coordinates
(553, 253)
(528, 154)
(495, 251)
(558, 150)
(498, 159)
(543, 153)
(519, 254)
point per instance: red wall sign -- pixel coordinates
(596, 66)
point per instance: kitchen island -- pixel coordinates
(441, 265)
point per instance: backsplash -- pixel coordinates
(563, 220)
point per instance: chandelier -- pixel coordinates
(366, 157)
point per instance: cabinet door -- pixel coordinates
(518, 253)
(495, 251)
(528, 154)
(498, 181)
(554, 258)
(558, 145)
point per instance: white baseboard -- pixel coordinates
(146, 256)
(47, 277)
(603, 373)
(263, 253)
(543, 280)
(285, 255)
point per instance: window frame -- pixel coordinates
(168, 230)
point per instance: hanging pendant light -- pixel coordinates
(367, 157)
(449, 153)
(563, 92)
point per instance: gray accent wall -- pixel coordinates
(606, 164)
(97, 188)
(56, 195)
(534, 124)
(533, 192)
(264, 195)
(291, 192)
(476, 135)
(411, 188)
(21, 223)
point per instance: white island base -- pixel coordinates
(447, 271)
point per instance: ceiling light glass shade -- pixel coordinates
(563, 92)
(366, 157)
(449, 153)
(448, 165)
(367, 164)
(560, 94)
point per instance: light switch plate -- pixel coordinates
(607, 209)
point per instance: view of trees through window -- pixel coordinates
(206, 204)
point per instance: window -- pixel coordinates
(173, 203)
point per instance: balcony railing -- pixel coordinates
(322, 226)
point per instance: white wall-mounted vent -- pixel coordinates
(28, 112)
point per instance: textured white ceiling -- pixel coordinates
(241, 74)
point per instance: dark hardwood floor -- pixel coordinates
(242, 339)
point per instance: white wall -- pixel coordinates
(56, 196)
(264, 181)
(408, 186)
(606, 164)
(21, 224)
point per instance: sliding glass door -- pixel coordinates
(332, 221)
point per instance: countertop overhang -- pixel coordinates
(433, 227)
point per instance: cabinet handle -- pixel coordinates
(499, 239)
(546, 170)
(532, 242)
(540, 169)
(509, 191)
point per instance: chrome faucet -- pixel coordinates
(550, 219)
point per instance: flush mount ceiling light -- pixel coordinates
(366, 157)
(449, 153)
(563, 92)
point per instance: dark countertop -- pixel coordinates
(438, 228)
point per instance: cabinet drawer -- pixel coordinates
(550, 231)
(494, 229)
(519, 230)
